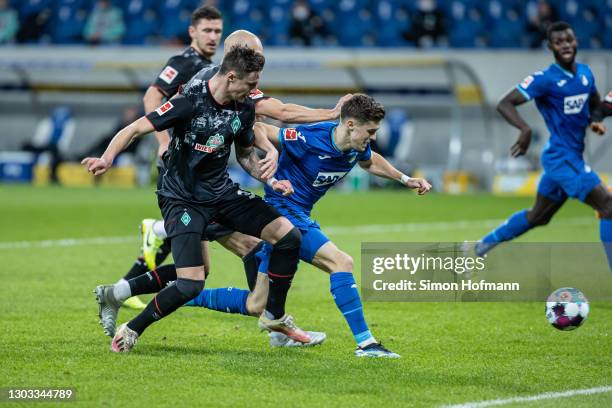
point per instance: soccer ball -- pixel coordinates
(567, 309)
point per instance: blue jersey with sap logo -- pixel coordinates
(312, 162)
(562, 98)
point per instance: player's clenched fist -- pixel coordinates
(96, 165)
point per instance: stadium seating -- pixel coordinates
(349, 23)
(140, 20)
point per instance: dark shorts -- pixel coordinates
(215, 231)
(237, 210)
(160, 172)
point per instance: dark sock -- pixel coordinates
(251, 265)
(165, 302)
(139, 268)
(153, 281)
(283, 264)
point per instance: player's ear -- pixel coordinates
(231, 76)
(192, 32)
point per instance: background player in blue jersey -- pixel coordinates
(314, 158)
(565, 94)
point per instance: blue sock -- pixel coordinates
(228, 300)
(514, 226)
(346, 295)
(605, 233)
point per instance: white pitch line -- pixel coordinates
(433, 226)
(539, 397)
(332, 230)
(67, 242)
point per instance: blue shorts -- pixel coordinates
(566, 175)
(312, 236)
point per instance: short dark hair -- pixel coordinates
(243, 60)
(362, 108)
(557, 26)
(205, 13)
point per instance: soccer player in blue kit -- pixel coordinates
(566, 96)
(314, 158)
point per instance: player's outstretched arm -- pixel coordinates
(264, 130)
(269, 163)
(380, 167)
(292, 113)
(248, 159)
(151, 100)
(99, 165)
(507, 108)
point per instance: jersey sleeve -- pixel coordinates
(534, 86)
(175, 73)
(293, 141)
(365, 155)
(246, 137)
(170, 113)
(257, 95)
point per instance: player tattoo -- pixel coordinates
(248, 159)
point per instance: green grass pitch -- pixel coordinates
(451, 353)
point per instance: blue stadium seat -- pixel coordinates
(279, 18)
(498, 9)
(453, 7)
(140, 20)
(69, 17)
(588, 28)
(28, 7)
(470, 32)
(392, 21)
(320, 5)
(241, 9)
(568, 10)
(254, 22)
(175, 18)
(349, 22)
(607, 33)
(354, 34)
(507, 33)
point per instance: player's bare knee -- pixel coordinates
(345, 262)
(339, 262)
(276, 229)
